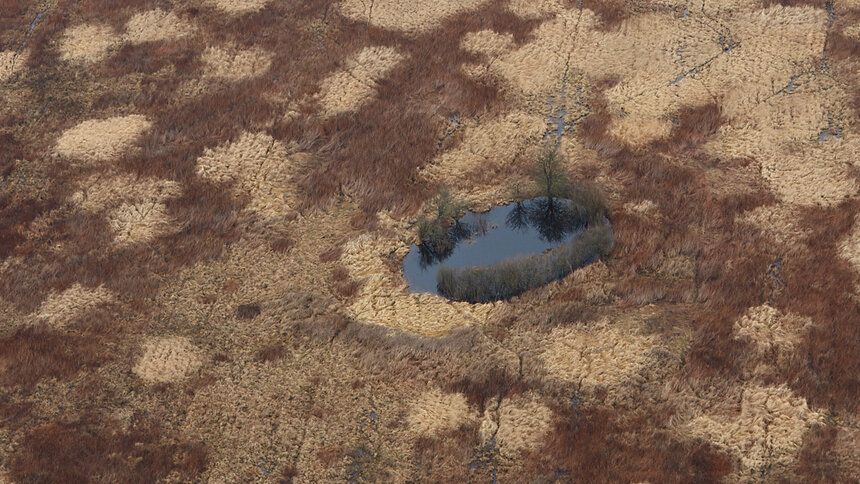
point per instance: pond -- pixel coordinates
(505, 232)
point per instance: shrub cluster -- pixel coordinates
(515, 276)
(433, 231)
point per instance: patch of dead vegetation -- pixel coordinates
(154, 25)
(87, 43)
(384, 297)
(133, 223)
(239, 7)
(520, 423)
(779, 221)
(60, 308)
(599, 355)
(486, 152)
(434, 411)
(102, 139)
(411, 17)
(768, 328)
(355, 85)
(765, 432)
(10, 64)
(258, 167)
(102, 191)
(850, 249)
(488, 42)
(233, 64)
(169, 359)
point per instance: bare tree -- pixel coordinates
(548, 173)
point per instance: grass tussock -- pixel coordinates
(513, 277)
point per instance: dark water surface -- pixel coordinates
(507, 231)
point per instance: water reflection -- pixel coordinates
(539, 222)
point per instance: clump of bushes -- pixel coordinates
(432, 230)
(515, 276)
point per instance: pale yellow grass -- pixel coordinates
(641, 207)
(768, 328)
(154, 25)
(168, 359)
(9, 65)
(355, 85)
(87, 43)
(523, 422)
(236, 7)
(638, 129)
(767, 431)
(233, 64)
(487, 42)
(102, 139)
(258, 166)
(601, 354)
(534, 9)
(486, 148)
(778, 221)
(100, 192)
(413, 17)
(384, 297)
(133, 223)
(850, 247)
(59, 308)
(434, 411)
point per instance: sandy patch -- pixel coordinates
(258, 167)
(101, 139)
(434, 411)
(411, 17)
(154, 25)
(168, 360)
(769, 328)
(384, 297)
(138, 222)
(349, 89)
(599, 355)
(767, 431)
(87, 43)
(237, 7)
(9, 65)
(523, 422)
(59, 308)
(234, 64)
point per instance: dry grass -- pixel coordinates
(60, 308)
(138, 223)
(410, 17)
(349, 89)
(434, 411)
(766, 434)
(239, 7)
(768, 328)
(88, 43)
(155, 25)
(9, 64)
(523, 424)
(102, 139)
(234, 64)
(168, 359)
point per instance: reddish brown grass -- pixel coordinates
(93, 449)
(34, 353)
